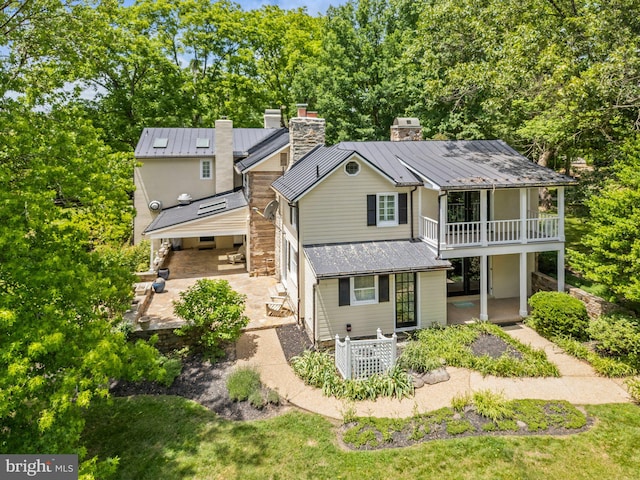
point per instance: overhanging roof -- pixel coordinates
(197, 210)
(270, 145)
(183, 142)
(369, 258)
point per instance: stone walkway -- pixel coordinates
(578, 384)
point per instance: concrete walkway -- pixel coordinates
(578, 384)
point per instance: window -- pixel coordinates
(363, 290)
(207, 239)
(292, 264)
(293, 216)
(205, 169)
(387, 209)
(352, 168)
(284, 159)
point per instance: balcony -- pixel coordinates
(536, 227)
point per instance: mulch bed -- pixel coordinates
(293, 340)
(495, 347)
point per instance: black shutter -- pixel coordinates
(344, 292)
(402, 208)
(371, 210)
(383, 288)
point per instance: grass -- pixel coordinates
(243, 383)
(430, 347)
(174, 438)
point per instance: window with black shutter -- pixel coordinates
(344, 291)
(371, 210)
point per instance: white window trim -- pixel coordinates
(292, 274)
(202, 162)
(372, 301)
(387, 223)
(352, 174)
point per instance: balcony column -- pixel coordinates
(560, 215)
(442, 221)
(561, 270)
(523, 215)
(524, 312)
(483, 218)
(484, 282)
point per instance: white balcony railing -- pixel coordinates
(541, 228)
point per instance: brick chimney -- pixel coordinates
(224, 155)
(405, 129)
(306, 131)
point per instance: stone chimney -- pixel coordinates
(272, 118)
(405, 129)
(306, 131)
(224, 155)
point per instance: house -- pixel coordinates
(386, 234)
(206, 188)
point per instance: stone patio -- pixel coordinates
(188, 266)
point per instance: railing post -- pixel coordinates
(523, 215)
(561, 214)
(348, 366)
(483, 218)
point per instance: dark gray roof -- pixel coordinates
(460, 164)
(369, 258)
(277, 140)
(198, 209)
(309, 170)
(182, 142)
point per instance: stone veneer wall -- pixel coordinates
(596, 306)
(261, 231)
(167, 339)
(405, 134)
(305, 133)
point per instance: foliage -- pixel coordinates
(318, 370)
(213, 312)
(633, 385)
(492, 405)
(616, 335)
(605, 366)
(612, 243)
(431, 347)
(243, 383)
(558, 314)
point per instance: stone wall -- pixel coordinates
(262, 232)
(596, 306)
(167, 339)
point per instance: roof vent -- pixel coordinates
(184, 199)
(155, 205)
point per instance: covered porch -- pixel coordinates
(500, 310)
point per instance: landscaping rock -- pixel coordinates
(521, 425)
(417, 381)
(435, 376)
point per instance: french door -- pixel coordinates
(464, 279)
(406, 315)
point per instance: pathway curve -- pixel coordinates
(578, 384)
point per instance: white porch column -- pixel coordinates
(443, 220)
(484, 272)
(561, 270)
(151, 254)
(561, 214)
(524, 312)
(523, 215)
(483, 217)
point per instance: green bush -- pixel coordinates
(633, 385)
(318, 370)
(617, 336)
(214, 314)
(243, 383)
(257, 400)
(492, 405)
(556, 314)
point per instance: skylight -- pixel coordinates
(202, 143)
(211, 207)
(160, 142)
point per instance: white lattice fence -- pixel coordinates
(357, 359)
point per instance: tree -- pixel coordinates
(614, 216)
(61, 193)
(214, 314)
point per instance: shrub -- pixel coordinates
(242, 383)
(214, 314)
(273, 397)
(171, 367)
(491, 405)
(633, 385)
(257, 400)
(616, 335)
(558, 314)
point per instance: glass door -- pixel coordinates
(406, 300)
(464, 279)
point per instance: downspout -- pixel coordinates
(411, 210)
(300, 256)
(313, 310)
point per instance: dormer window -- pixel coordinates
(160, 142)
(352, 168)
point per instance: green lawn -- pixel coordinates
(172, 438)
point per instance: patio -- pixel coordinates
(188, 266)
(502, 310)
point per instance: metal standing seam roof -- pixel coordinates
(309, 170)
(463, 164)
(197, 210)
(181, 142)
(369, 258)
(276, 141)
